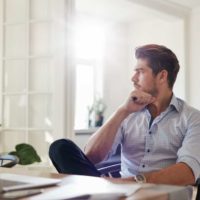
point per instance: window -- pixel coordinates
(84, 93)
(89, 37)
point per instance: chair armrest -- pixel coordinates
(197, 184)
(111, 170)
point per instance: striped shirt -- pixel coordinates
(172, 137)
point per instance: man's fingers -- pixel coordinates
(134, 98)
(143, 99)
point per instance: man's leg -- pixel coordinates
(68, 158)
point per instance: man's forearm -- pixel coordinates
(177, 174)
(100, 143)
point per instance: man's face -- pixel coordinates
(143, 78)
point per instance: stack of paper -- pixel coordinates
(85, 187)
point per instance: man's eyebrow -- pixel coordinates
(138, 68)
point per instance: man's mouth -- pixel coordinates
(136, 86)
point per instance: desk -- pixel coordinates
(147, 192)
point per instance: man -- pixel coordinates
(159, 133)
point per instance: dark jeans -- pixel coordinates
(68, 158)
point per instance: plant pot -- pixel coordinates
(98, 120)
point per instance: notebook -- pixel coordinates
(12, 182)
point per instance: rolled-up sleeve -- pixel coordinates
(189, 153)
(193, 164)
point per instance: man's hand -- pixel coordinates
(137, 100)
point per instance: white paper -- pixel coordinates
(86, 186)
(25, 182)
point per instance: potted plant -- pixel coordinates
(26, 154)
(98, 108)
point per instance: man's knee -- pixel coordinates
(58, 147)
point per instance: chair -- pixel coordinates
(112, 165)
(198, 189)
(8, 161)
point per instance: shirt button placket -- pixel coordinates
(148, 148)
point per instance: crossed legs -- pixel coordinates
(68, 158)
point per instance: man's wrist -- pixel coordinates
(140, 178)
(123, 112)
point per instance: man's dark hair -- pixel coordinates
(160, 58)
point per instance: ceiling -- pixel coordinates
(120, 10)
(130, 10)
(187, 3)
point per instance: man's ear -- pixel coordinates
(162, 75)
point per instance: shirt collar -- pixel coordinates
(174, 103)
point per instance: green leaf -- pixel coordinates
(26, 154)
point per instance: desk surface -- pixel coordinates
(147, 192)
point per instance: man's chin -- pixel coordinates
(143, 90)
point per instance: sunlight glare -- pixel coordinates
(89, 37)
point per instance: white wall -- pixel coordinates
(116, 75)
(193, 76)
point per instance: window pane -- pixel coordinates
(40, 37)
(1, 37)
(40, 75)
(13, 80)
(12, 138)
(15, 40)
(41, 140)
(40, 9)
(15, 10)
(84, 94)
(15, 111)
(40, 111)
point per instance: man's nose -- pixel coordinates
(134, 78)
